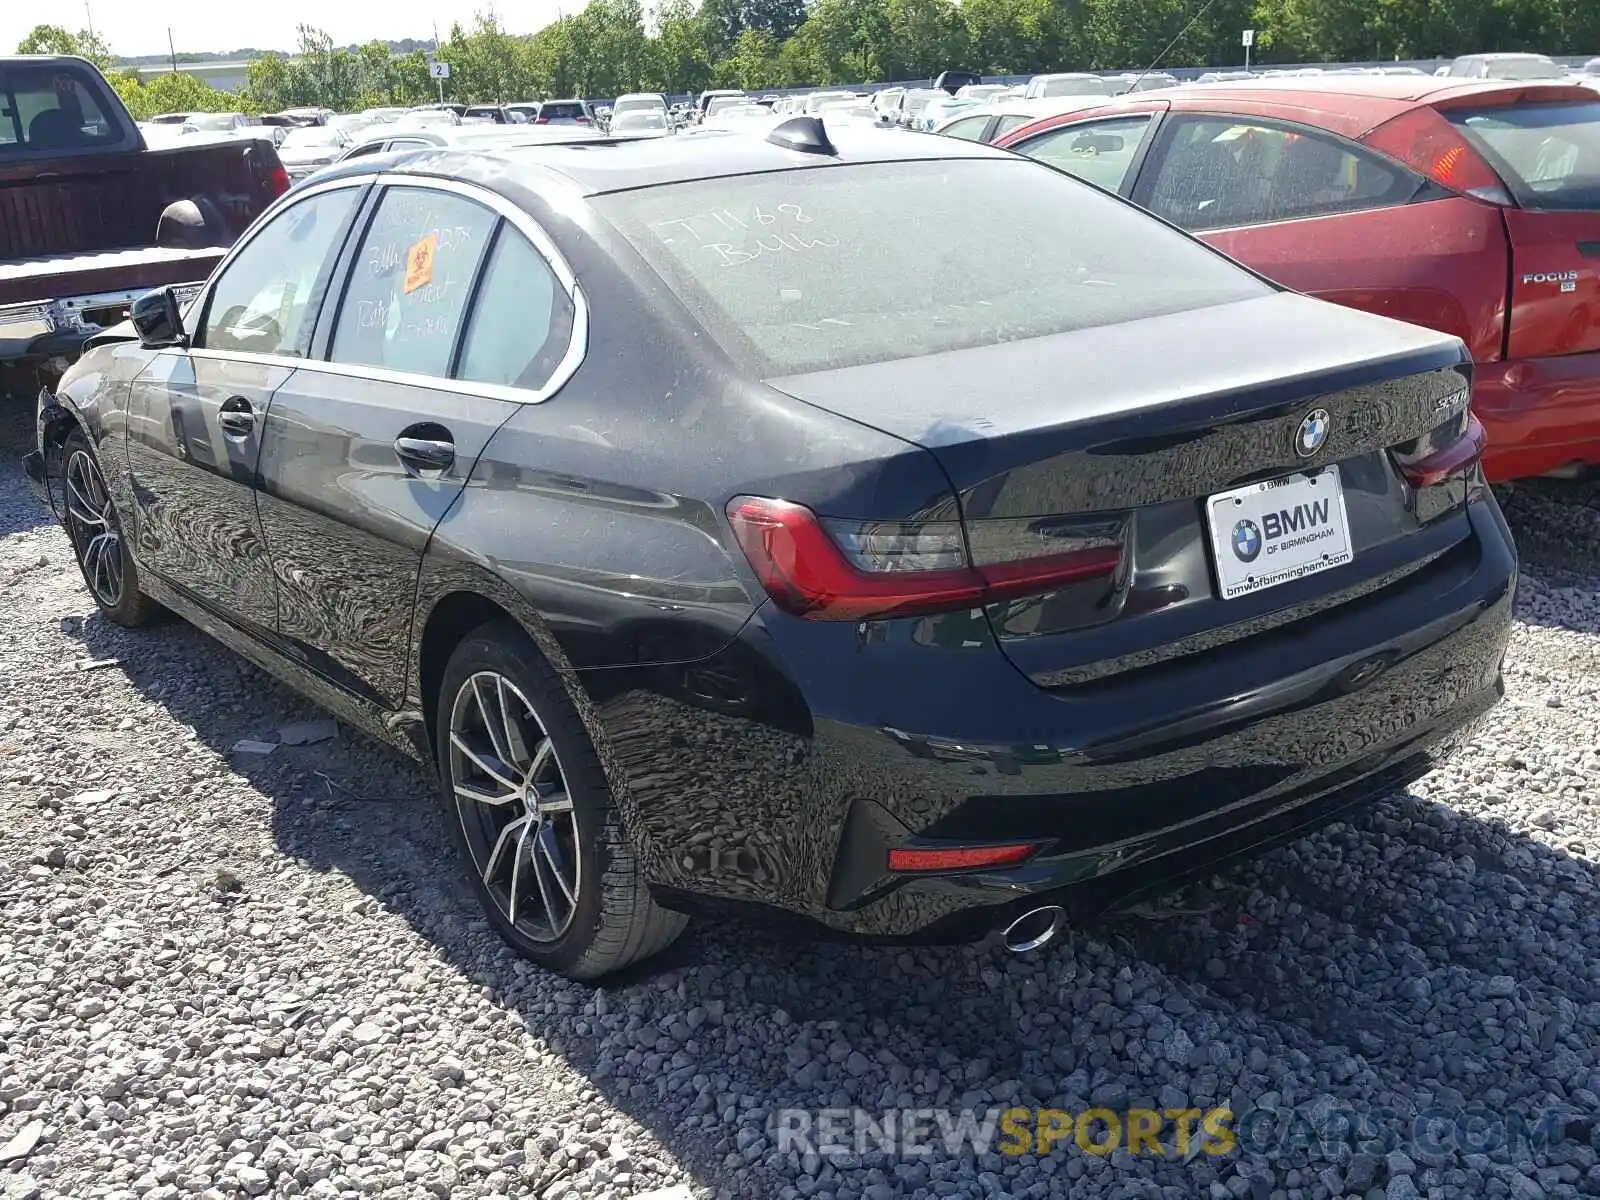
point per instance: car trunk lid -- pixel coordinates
(1121, 435)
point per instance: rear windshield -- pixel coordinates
(1523, 68)
(561, 112)
(1548, 154)
(814, 269)
(48, 110)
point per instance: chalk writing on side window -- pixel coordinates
(732, 238)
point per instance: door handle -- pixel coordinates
(236, 417)
(425, 454)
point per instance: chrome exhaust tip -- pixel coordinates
(1034, 928)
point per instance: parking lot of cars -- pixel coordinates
(1032, 578)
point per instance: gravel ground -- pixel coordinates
(230, 976)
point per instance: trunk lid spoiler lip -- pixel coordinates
(988, 410)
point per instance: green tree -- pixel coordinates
(328, 75)
(53, 39)
(683, 58)
(754, 64)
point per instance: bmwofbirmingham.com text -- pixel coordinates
(1316, 1132)
(1257, 582)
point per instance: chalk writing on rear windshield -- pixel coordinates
(731, 238)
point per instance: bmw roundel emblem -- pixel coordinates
(1246, 541)
(1313, 432)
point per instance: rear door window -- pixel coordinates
(410, 281)
(1009, 122)
(1100, 152)
(1548, 154)
(1222, 172)
(968, 129)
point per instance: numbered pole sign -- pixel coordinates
(439, 70)
(1249, 38)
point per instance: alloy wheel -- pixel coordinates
(92, 524)
(511, 798)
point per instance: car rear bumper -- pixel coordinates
(1541, 414)
(780, 772)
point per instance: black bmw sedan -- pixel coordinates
(720, 540)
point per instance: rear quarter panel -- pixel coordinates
(1441, 264)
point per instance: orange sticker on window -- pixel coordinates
(419, 263)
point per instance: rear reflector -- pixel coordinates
(857, 571)
(1429, 144)
(959, 858)
(1448, 460)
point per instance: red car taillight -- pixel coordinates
(278, 180)
(1430, 145)
(581, 120)
(541, 120)
(1453, 458)
(864, 570)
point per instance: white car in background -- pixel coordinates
(982, 92)
(887, 100)
(1066, 83)
(313, 147)
(986, 123)
(940, 110)
(642, 122)
(915, 102)
(640, 102)
(815, 100)
(730, 110)
(1140, 81)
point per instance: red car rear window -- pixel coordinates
(1548, 154)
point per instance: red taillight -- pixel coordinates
(959, 858)
(1429, 144)
(581, 120)
(894, 569)
(541, 120)
(278, 180)
(1449, 460)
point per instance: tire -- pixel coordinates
(558, 881)
(95, 529)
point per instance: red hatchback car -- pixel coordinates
(1469, 207)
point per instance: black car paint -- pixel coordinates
(766, 760)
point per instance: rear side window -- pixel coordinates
(816, 268)
(521, 321)
(410, 282)
(46, 109)
(968, 129)
(1219, 172)
(1101, 152)
(1548, 154)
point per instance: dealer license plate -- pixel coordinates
(1277, 530)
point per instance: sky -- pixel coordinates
(199, 26)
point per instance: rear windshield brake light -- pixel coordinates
(857, 571)
(1429, 144)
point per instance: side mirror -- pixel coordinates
(158, 320)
